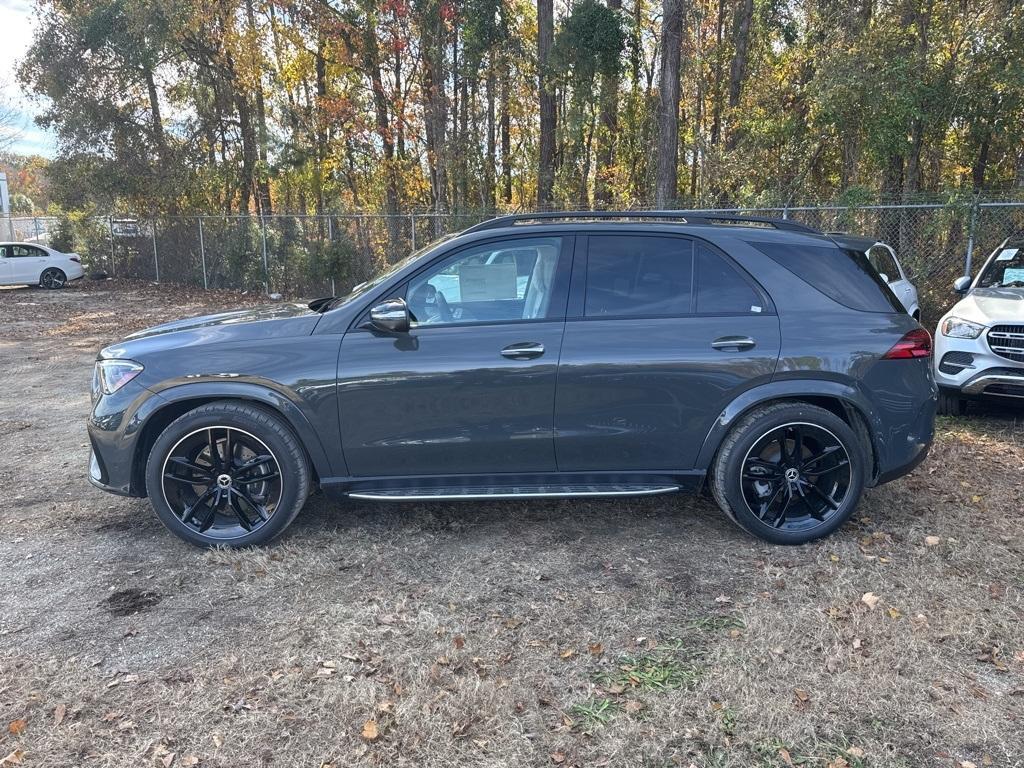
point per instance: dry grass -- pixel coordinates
(628, 632)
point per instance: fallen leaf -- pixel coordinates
(894, 613)
(568, 653)
(974, 500)
(370, 732)
(932, 541)
(16, 727)
(870, 599)
(58, 714)
(633, 706)
(839, 762)
(967, 764)
(558, 758)
(801, 698)
(785, 756)
(459, 641)
(856, 752)
(596, 649)
(167, 759)
(189, 760)
(14, 758)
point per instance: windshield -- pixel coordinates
(1006, 270)
(393, 269)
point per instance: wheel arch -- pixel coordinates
(840, 399)
(173, 403)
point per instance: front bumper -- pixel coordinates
(115, 428)
(970, 367)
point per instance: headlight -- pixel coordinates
(111, 375)
(959, 328)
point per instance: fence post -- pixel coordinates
(266, 267)
(110, 223)
(412, 223)
(970, 235)
(202, 252)
(156, 259)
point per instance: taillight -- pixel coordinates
(915, 343)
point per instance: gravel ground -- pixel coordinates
(643, 632)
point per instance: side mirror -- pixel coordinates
(391, 315)
(962, 283)
(884, 276)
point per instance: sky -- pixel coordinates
(17, 22)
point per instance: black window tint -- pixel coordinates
(634, 275)
(844, 276)
(721, 289)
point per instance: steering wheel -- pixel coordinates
(428, 305)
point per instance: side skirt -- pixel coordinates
(511, 486)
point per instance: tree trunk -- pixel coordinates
(667, 150)
(738, 69)
(436, 110)
(546, 161)
(606, 134)
(716, 80)
(392, 200)
(490, 196)
(506, 140)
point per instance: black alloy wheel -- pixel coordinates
(222, 481)
(790, 472)
(53, 278)
(228, 473)
(795, 477)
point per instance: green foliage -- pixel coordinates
(589, 43)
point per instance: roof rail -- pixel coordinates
(697, 218)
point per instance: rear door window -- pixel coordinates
(881, 259)
(721, 289)
(845, 276)
(639, 276)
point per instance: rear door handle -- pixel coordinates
(525, 350)
(737, 343)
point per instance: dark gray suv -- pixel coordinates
(541, 355)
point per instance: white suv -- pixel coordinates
(883, 259)
(979, 343)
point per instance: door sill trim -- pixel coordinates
(413, 494)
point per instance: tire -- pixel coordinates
(758, 463)
(268, 479)
(951, 403)
(53, 278)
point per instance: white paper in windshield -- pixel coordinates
(1013, 275)
(1007, 254)
(487, 282)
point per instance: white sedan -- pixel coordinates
(31, 264)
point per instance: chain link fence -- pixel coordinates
(325, 255)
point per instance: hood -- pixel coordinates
(989, 306)
(275, 320)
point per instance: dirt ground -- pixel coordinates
(624, 633)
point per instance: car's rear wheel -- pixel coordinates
(53, 278)
(951, 403)
(227, 473)
(789, 473)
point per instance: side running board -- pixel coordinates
(509, 492)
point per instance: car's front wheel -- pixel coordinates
(53, 278)
(789, 473)
(227, 473)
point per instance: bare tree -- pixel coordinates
(667, 150)
(545, 40)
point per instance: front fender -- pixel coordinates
(847, 393)
(266, 393)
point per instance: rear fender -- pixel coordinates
(853, 401)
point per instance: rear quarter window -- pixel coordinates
(845, 276)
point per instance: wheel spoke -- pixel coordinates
(254, 462)
(190, 509)
(824, 496)
(180, 462)
(215, 459)
(257, 478)
(815, 513)
(779, 487)
(239, 513)
(771, 470)
(822, 472)
(818, 457)
(259, 509)
(780, 517)
(798, 444)
(211, 513)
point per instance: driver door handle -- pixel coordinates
(526, 350)
(737, 343)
